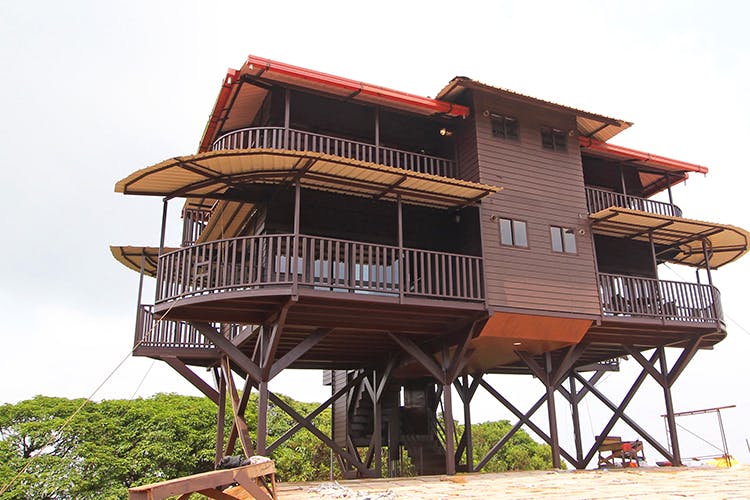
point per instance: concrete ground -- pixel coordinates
(648, 483)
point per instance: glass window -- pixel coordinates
(513, 233)
(505, 127)
(553, 138)
(563, 239)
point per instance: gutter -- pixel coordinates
(633, 154)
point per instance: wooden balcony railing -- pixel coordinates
(667, 300)
(298, 140)
(167, 334)
(599, 199)
(317, 263)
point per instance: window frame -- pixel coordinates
(513, 236)
(558, 137)
(562, 231)
(502, 122)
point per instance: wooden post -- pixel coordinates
(163, 225)
(467, 424)
(400, 207)
(450, 432)
(295, 250)
(671, 424)
(287, 112)
(707, 262)
(576, 420)
(262, 431)
(622, 181)
(222, 388)
(551, 411)
(377, 135)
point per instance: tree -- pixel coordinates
(521, 452)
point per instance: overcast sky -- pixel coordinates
(91, 91)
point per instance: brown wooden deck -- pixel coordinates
(298, 140)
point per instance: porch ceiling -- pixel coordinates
(210, 174)
(724, 243)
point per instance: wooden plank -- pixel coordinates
(198, 482)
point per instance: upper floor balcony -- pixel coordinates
(600, 199)
(266, 264)
(639, 297)
(299, 140)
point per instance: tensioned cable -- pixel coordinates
(87, 400)
(153, 362)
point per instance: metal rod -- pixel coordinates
(163, 226)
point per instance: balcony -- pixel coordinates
(631, 296)
(298, 140)
(153, 336)
(600, 199)
(255, 264)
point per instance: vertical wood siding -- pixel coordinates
(541, 187)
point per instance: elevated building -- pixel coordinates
(408, 246)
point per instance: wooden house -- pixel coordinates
(408, 246)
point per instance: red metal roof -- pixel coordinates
(262, 66)
(643, 158)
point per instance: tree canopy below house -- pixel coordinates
(114, 444)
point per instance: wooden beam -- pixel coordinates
(298, 350)
(239, 420)
(319, 434)
(341, 392)
(247, 389)
(649, 367)
(458, 355)
(229, 349)
(531, 363)
(194, 379)
(273, 341)
(425, 360)
(683, 360)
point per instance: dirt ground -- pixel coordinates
(650, 483)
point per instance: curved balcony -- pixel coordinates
(632, 296)
(600, 199)
(298, 140)
(259, 263)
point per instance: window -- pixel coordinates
(513, 233)
(505, 127)
(553, 138)
(563, 239)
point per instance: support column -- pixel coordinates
(295, 250)
(222, 388)
(377, 135)
(551, 412)
(262, 431)
(576, 419)
(450, 432)
(163, 225)
(401, 274)
(671, 424)
(467, 424)
(287, 112)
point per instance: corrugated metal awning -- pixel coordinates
(132, 257)
(724, 243)
(228, 218)
(212, 173)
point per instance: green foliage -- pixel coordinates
(521, 452)
(112, 445)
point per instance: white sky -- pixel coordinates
(92, 91)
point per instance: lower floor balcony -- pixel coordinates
(259, 264)
(638, 297)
